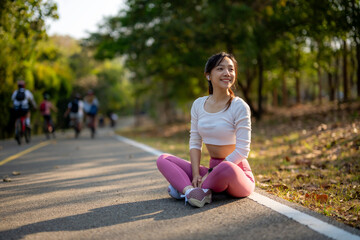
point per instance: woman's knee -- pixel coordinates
(161, 159)
(244, 190)
(162, 156)
(228, 167)
(167, 158)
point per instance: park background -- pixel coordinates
(298, 71)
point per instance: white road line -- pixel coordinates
(139, 145)
(300, 217)
(305, 219)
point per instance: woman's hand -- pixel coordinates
(196, 182)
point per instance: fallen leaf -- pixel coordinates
(322, 127)
(264, 185)
(15, 173)
(290, 167)
(311, 187)
(305, 162)
(322, 198)
(332, 181)
(313, 167)
(303, 176)
(280, 186)
(265, 180)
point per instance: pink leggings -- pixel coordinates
(237, 180)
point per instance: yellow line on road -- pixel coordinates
(33, 148)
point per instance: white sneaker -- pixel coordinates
(174, 193)
(198, 197)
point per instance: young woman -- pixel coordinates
(222, 121)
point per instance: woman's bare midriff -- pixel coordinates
(220, 151)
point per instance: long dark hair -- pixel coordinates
(213, 62)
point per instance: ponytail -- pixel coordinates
(211, 89)
(232, 95)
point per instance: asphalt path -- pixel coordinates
(104, 188)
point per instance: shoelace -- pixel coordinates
(187, 192)
(186, 199)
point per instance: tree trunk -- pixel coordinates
(297, 88)
(345, 73)
(331, 87)
(318, 58)
(336, 78)
(284, 89)
(275, 97)
(319, 84)
(297, 77)
(358, 68)
(352, 72)
(246, 90)
(261, 81)
(356, 25)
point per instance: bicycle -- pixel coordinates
(22, 130)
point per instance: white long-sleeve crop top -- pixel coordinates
(231, 126)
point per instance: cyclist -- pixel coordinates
(21, 99)
(45, 108)
(91, 106)
(75, 109)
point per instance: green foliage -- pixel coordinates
(166, 45)
(113, 89)
(22, 26)
(289, 51)
(58, 65)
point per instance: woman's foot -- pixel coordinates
(174, 193)
(198, 197)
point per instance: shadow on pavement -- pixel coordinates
(157, 209)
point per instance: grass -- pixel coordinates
(307, 154)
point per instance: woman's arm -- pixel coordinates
(242, 123)
(195, 156)
(195, 144)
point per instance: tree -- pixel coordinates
(22, 25)
(166, 44)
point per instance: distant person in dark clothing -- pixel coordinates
(76, 111)
(22, 98)
(91, 107)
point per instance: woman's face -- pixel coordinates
(223, 76)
